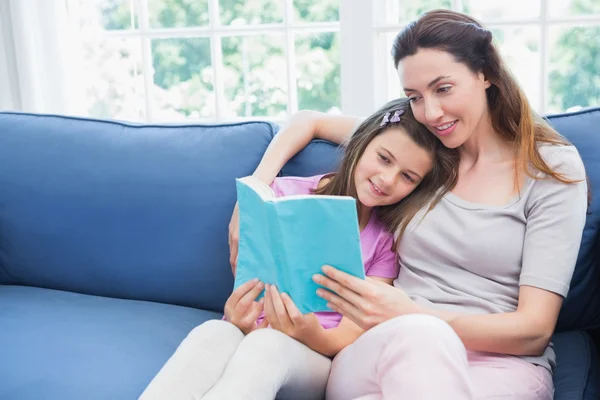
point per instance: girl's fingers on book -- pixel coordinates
(293, 312)
(255, 291)
(242, 290)
(279, 308)
(270, 312)
(252, 316)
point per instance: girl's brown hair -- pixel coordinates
(433, 186)
(471, 44)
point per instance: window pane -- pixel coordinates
(178, 14)
(318, 61)
(502, 9)
(183, 79)
(243, 12)
(390, 75)
(402, 11)
(316, 11)
(520, 49)
(254, 72)
(98, 15)
(562, 8)
(114, 82)
(574, 70)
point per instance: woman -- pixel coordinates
(484, 273)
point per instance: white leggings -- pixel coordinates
(217, 362)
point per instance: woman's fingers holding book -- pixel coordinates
(339, 289)
(353, 283)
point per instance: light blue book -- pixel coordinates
(285, 241)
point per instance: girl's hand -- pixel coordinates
(366, 302)
(284, 316)
(242, 309)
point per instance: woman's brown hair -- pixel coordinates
(434, 185)
(471, 44)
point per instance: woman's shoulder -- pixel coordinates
(563, 159)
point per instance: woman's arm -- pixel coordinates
(302, 127)
(526, 331)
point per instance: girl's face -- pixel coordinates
(391, 167)
(445, 95)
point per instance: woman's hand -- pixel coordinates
(242, 309)
(284, 316)
(234, 235)
(366, 302)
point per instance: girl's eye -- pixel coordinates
(408, 177)
(444, 89)
(413, 99)
(384, 158)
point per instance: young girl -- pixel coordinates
(394, 167)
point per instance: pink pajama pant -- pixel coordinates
(421, 357)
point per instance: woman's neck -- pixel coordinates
(485, 145)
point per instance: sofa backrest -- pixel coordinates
(582, 306)
(122, 210)
(142, 211)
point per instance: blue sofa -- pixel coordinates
(113, 246)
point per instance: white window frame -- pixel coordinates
(365, 78)
(216, 31)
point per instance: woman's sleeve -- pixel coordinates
(556, 214)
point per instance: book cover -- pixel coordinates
(285, 241)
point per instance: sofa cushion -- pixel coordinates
(581, 309)
(122, 210)
(59, 346)
(577, 376)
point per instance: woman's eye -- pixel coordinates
(413, 99)
(444, 89)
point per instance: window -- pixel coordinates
(207, 60)
(222, 60)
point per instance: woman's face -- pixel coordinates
(445, 95)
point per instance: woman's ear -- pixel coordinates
(486, 82)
